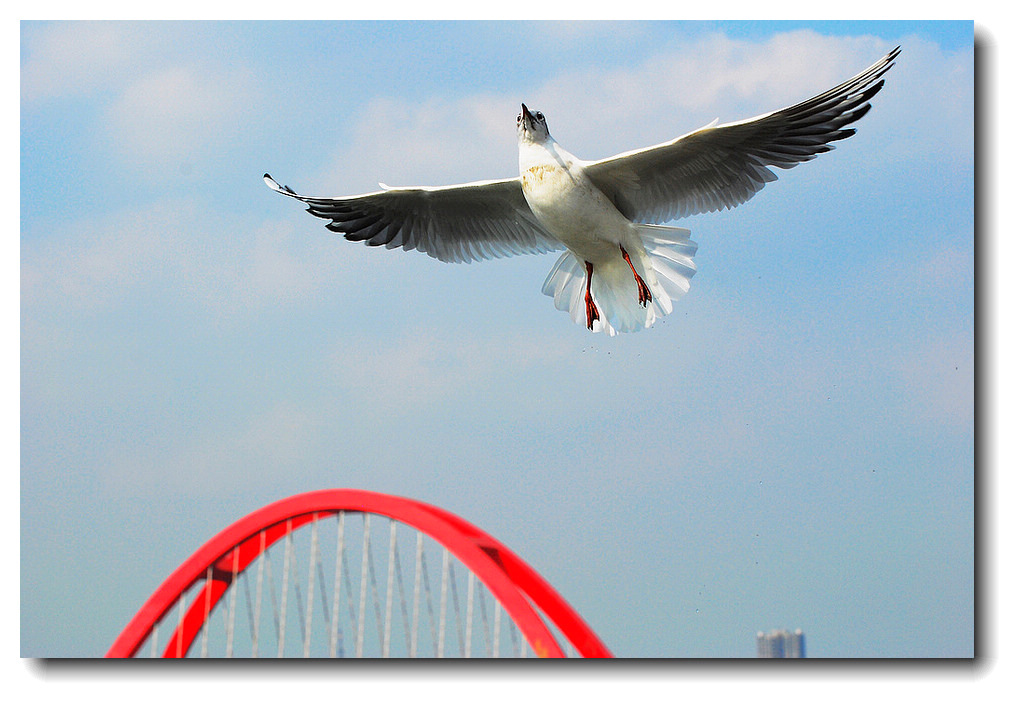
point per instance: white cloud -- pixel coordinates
(424, 370)
(575, 33)
(939, 376)
(260, 444)
(172, 253)
(928, 113)
(100, 260)
(158, 108)
(178, 114)
(71, 59)
(440, 141)
(950, 267)
(938, 367)
(242, 270)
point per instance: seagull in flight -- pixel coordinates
(620, 268)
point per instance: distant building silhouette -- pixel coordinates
(781, 644)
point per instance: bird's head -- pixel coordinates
(531, 126)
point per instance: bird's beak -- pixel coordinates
(526, 115)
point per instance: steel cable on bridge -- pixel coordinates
(498, 586)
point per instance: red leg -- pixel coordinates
(592, 313)
(644, 291)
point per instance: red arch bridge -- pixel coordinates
(351, 573)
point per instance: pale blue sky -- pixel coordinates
(793, 446)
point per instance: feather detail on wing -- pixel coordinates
(459, 223)
(721, 166)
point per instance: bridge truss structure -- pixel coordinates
(351, 573)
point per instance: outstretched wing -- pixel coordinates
(460, 223)
(719, 167)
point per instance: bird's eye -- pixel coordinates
(519, 118)
(540, 116)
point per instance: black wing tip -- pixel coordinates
(890, 57)
(887, 61)
(273, 184)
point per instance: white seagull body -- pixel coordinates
(620, 271)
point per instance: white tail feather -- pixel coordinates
(666, 266)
